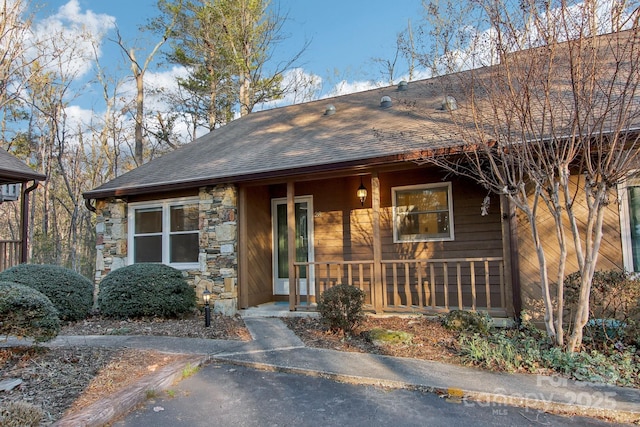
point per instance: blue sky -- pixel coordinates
(345, 35)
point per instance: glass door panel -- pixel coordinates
(304, 248)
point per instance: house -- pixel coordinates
(14, 180)
(336, 183)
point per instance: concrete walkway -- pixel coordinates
(275, 347)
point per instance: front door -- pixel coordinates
(304, 243)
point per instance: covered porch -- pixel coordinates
(343, 240)
(14, 188)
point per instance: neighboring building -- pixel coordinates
(14, 180)
(231, 207)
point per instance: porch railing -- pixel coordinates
(9, 253)
(416, 285)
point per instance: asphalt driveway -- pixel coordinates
(229, 395)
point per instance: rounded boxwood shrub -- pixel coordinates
(25, 312)
(340, 308)
(70, 292)
(142, 290)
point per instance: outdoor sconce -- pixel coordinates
(206, 295)
(362, 192)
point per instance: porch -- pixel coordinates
(339, 239)
(428, 286)
(9, 253)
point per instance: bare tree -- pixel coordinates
(551, 123)
(139, 69)
(14, 29)
(405, 48)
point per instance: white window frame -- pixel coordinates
(625, 222)
(166, 206)
(418, 237)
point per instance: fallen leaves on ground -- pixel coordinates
(430, 340)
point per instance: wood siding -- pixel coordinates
(343, 228)
(610, 256)
(258, 283)
(343, 232)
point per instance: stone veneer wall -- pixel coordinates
(218, 259)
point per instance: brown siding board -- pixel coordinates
(344, 231)
(610, 256)
(259, 280)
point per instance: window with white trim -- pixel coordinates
(165, 232)
(422, 213)
(629, 197)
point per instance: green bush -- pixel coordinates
(340, 308)
(620, 368)
(25, 312)
(141, 290)
(70, 292)
(467, 321)
(528, 349)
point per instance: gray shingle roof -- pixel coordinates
(298, 138)
(13, 170)
(301, 139)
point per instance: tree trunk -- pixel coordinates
(592, 248)
(139, 111)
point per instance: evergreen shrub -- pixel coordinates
(26, 312)
(146, 290)
(70, 292)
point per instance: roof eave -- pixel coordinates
(246, 178)
(13, 176)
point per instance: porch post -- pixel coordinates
(243, 243)
(291, 242)
(24, 223)
(510, 231)
(377, 243)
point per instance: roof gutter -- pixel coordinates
(89, 206)
(21, 176)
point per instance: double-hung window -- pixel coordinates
(165, 232)
(629, 197)
(422, 213)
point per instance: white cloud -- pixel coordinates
(300, 86)
(560, 24)
(71, 35)
(344, 87)
(77, 117)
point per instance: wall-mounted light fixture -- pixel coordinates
(362, 192)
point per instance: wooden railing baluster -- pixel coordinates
(424, 281)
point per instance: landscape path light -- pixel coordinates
(206, 295)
